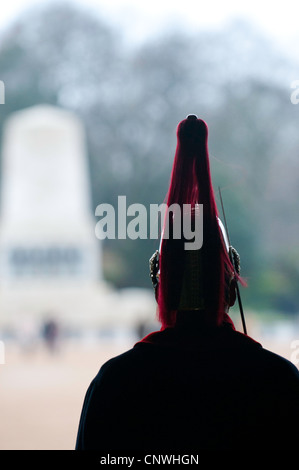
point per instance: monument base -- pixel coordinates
(75, 307)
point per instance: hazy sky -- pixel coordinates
(139, 19)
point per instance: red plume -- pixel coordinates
(191, 184)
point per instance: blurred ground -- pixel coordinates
(42, 392)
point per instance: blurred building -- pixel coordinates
(50, 258)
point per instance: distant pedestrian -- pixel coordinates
(50, 334)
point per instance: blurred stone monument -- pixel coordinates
(50, 258)
(47, 230)
(47, 245)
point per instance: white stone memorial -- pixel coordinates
(47, 230)
(50, 257)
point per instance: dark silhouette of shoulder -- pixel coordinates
(221, 390)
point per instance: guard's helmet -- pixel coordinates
(185, 278)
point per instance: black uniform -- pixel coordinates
(192, 388)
